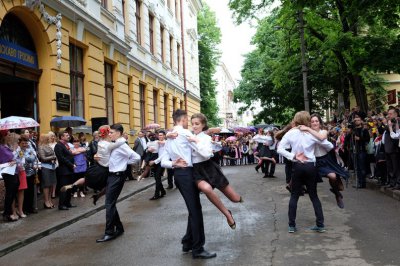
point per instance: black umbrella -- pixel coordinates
(67, 121)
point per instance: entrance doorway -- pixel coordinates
(19, 73)
(17, 97)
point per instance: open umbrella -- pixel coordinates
(151, 126)
(231, 138)
(15, 122)
(241, 130)
(225, 131)
(252, 128)
(67, 121)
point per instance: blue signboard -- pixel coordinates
(15, 53)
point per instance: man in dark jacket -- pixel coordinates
(360, 138)
(65, 169)
(391, 146)
(93, 148)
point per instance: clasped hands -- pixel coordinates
(301, 157)
(179, 163)
(174, 135)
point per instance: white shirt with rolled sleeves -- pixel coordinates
(264, 139)
(161, 152)
(180, 147)
(104, 149)
(301, 142)
(320, 150)
(204, 149)
(122, 156)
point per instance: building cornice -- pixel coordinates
(197, 4)
(74, 12)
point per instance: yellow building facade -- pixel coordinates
(98, 70)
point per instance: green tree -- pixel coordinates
(209, 39)
(348, 42)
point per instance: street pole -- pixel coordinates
(303, 60)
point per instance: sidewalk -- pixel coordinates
(15, 235)
(373, 184)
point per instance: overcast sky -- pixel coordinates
(235, 40)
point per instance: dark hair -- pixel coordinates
(279, 135)
(178, 115)
(202, 118)
(62, 134)
(23, 138)
(271, 132)
(162, 132)
(321, 123)
(118, 127)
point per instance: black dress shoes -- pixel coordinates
(71, 206)
(63, 208)
(186, 249)
(204, 255)
(170, 187)
(119, 232)
(106, 238)
(155, 198)
(163, 193)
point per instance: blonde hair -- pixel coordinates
(12, 140)
(302, 118)
(44, 139)
(52, 134)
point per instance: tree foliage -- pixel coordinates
(209, 39)
(347, 43)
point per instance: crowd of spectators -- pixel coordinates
(367, 143)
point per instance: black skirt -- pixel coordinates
(210, 172)
(96, 176)
(327, 164)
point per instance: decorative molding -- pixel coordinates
(151, 7)
(144, 75)
(56, 20)
(111, 51)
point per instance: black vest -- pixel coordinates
(391, 145)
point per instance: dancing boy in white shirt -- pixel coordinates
(304, 169)
(119, 159)
(179, 150)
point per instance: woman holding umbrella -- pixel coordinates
(11, 180)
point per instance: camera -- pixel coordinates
(350, 125)
(394, 120)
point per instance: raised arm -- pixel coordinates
(322, 135)
(119, 142)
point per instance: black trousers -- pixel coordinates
(170, 173)
(288, 170)
(393, 167)
(115, 183)
(158, 172)
(65, 197)
(11, 183)
(269, 168)
(194, 237)
(305, 174)
(29, 194)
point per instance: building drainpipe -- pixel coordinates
(183, 55)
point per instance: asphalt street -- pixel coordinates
(366, 232)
